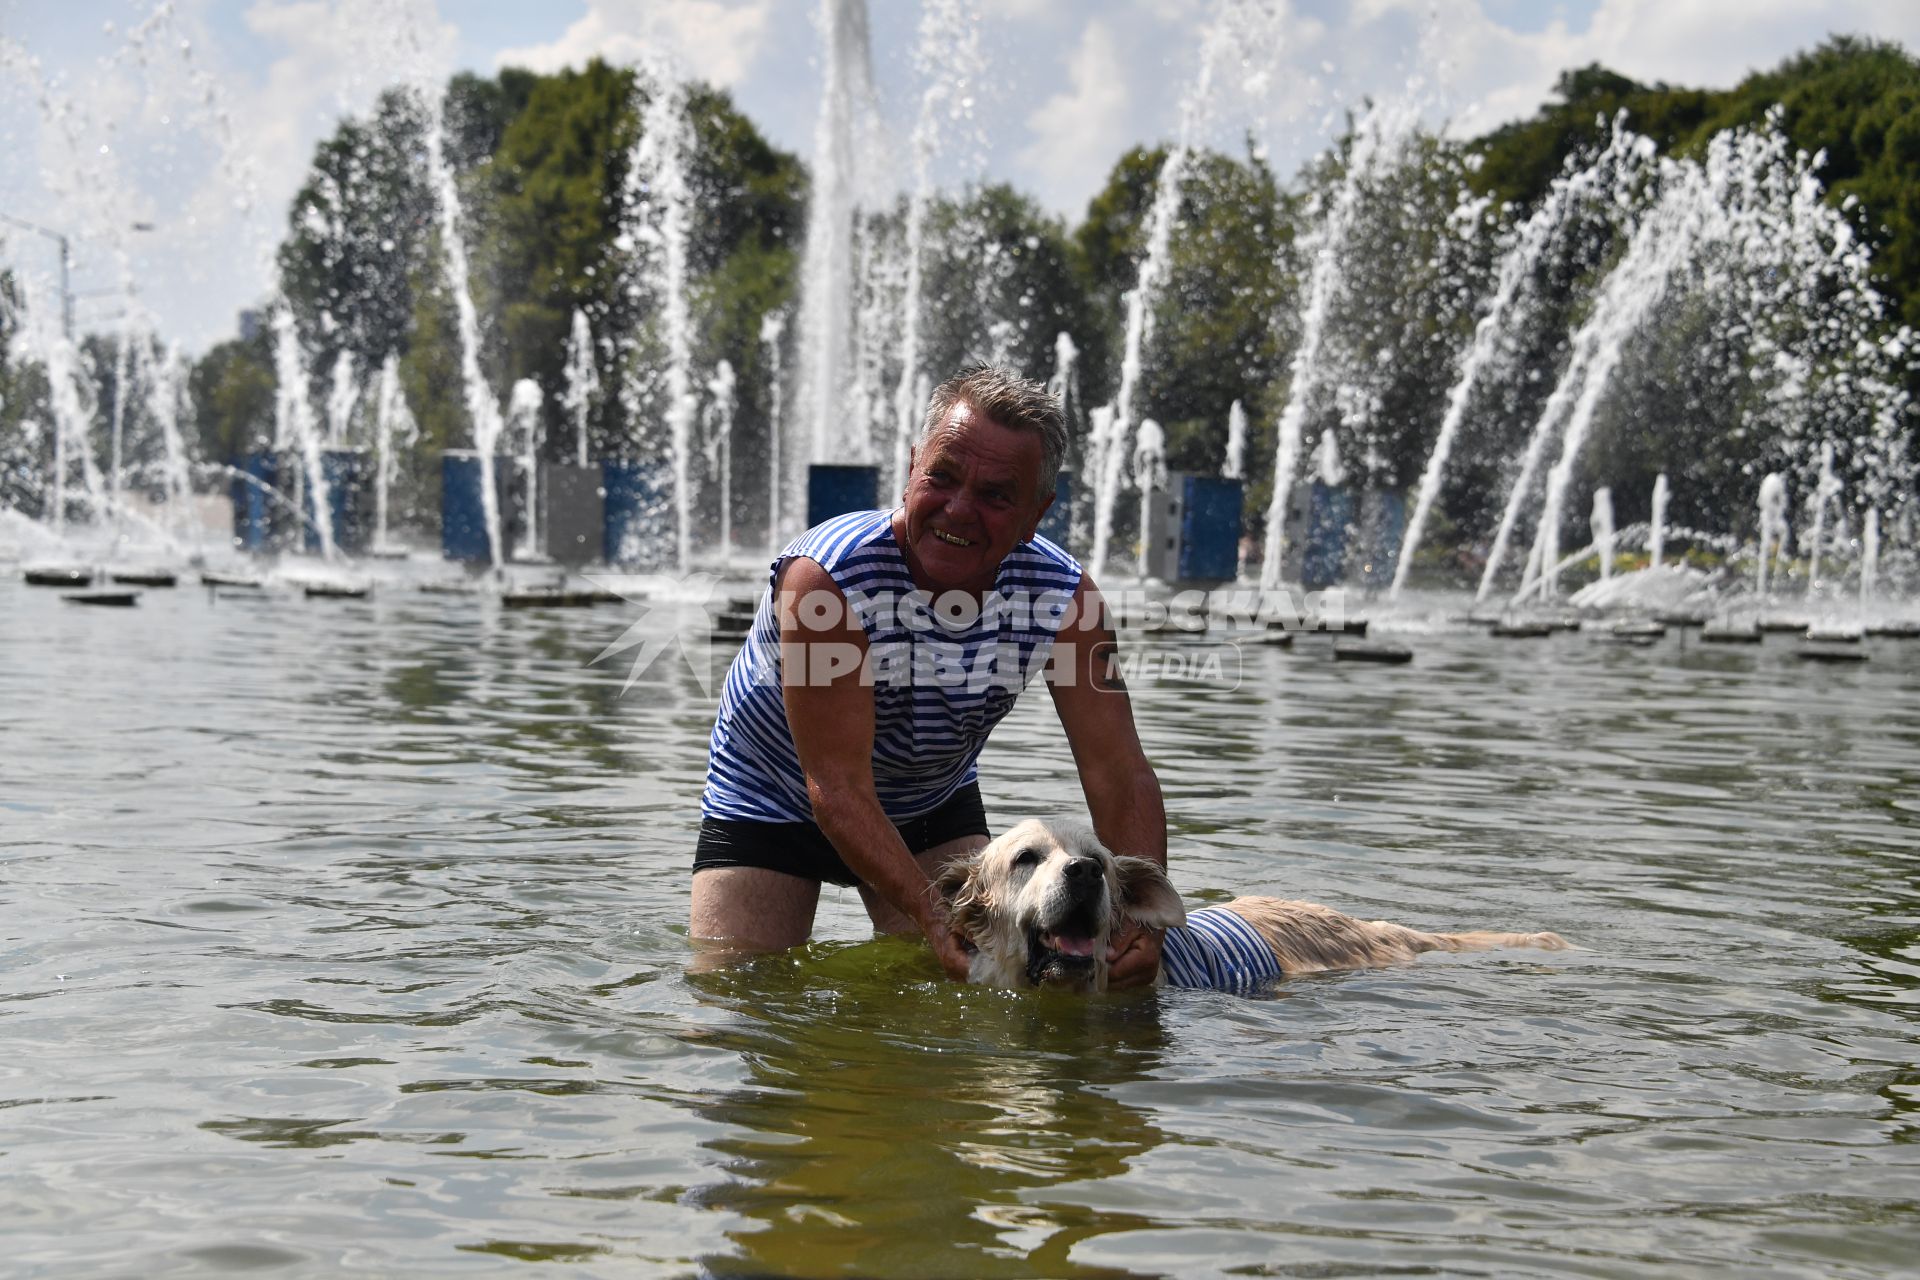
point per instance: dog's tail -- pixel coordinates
(1479, 940)
(1308, 938)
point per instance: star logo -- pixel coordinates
(649, 636)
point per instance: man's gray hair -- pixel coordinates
(1010, 400)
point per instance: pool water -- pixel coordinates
(347, 937)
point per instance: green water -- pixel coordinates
(347, 938)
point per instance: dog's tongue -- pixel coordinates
(1067, 946)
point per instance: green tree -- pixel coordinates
(26, 443)
(1221, 326)
(1001, 282)
(359, 232)
(1856, 100)
(1519, 160)
(232, 389)
(556, 189)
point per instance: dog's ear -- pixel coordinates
(965, 893)
(1147, 895)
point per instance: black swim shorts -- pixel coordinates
(802, 849)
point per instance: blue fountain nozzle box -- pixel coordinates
(1057, 525)
(260, 517)
(1375, 553)
(1209, 541)
(833, 489)
(463, 512)
(1323, 559)
(1193, 530)
(1347, 536)
(348, 474)
(637, 498)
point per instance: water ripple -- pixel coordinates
(351, 941)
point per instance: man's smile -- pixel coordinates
(949, 538)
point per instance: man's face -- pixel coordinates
(971, 498)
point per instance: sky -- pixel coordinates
(166, 138)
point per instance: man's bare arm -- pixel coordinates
(1122, 791)
(830, 714)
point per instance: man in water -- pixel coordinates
(890, 645)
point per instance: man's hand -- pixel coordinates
(950, 947)
(1133, 957)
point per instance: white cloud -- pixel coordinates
(1503, 74)
(1080, 131)
(1716, 42)
(718, 41)
(332, 60)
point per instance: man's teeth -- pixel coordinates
(947, 537)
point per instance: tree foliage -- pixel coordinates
(541, 165)
(1855, 100)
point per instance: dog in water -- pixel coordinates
(1041, 903)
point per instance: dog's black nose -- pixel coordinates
(1082, 869)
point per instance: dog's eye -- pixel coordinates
(1027, 858)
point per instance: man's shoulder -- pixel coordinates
(831, 540)
(1043, 558)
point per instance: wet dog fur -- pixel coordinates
(1042, 902)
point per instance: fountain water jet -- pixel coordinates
(947, 57)
(122, 368)
(1751, 224)
(719, 446)
(294, 423)
(1379, 140)
(1102, 445)
(1617, 165)
(1825, 490)
(525, 433)
(1064, 382)
(483, 412)
(659, 234)
(1149, 475)
(165, 383)
(1233, 467)
(1773, 526)
(1657, 535)
(773, 327)
(827, 267)
(1655, 248)
(583, 381)
(1601, 522)
(394, 427)
(72, 417)
(1107, 447)
(1869, 558)
(342, 399)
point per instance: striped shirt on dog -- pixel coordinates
(1217, 950)
(940, 682)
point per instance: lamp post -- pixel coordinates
(66, 267)
(66, 328)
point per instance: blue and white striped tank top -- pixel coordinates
(1217, 951)
(940, 683)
